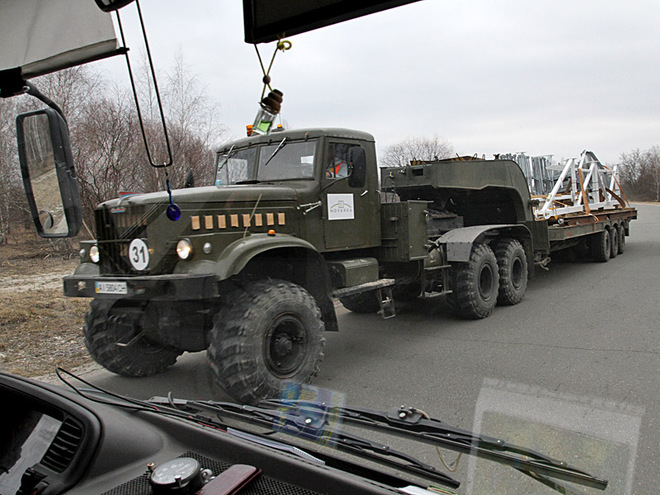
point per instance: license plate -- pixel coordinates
(111, 287)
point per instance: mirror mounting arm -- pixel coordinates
(32, 90)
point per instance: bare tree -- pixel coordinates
(110, 152)
(107, 149)
(11, 201)
(640, 173)
(416, 148)
(192, 120)
(194, 123)
(106, 140)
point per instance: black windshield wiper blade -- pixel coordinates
(227, 157)
(298, 426)
(275, 152)
(303, 419)
(412, 423)
(380, 453)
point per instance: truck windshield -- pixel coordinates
(290, 161)
(235, 166)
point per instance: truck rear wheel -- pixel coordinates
(475, 284)
(363, 302)
(614, 241)
(621, 231)
(512, 267)
(600, 246)
(113, 338)
(267, 332)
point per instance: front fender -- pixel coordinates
(235, 257)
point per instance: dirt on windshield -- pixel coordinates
(39, 327)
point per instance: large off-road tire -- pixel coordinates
(363, 302)
(621, 232)
(512, 268)
(112, 336)
(266, 333)
(600, 246)
(475, 284)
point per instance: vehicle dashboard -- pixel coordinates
(55, 440)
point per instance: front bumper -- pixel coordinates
(154, 287)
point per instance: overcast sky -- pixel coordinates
(544, 77)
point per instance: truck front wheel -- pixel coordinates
(114, 338)
(475, 284)
(512, 267)
(266, 333)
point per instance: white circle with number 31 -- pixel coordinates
(138, 254)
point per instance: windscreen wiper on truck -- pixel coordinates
(301, 419)
(229, 154)
(275, 152)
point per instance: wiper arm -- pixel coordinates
(227, 157)
(381, 453)
(412, 423)
(275, 152)
(306, 428)
(311, 421)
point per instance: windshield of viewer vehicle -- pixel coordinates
(456, 217)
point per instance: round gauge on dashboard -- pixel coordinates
(182, 475)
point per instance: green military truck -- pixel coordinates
(298, 219)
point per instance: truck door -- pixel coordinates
(351, 202)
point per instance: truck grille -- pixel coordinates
(116, 227)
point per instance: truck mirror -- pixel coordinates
(111, 5)
(358, 161)
(48, 174)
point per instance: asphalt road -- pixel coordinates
(573, 371)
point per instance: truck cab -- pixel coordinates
(332, 171)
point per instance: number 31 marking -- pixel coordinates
(138, 254)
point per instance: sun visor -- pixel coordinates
(267, 20)
(42, 36)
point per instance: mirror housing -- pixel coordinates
(111, 5)
(358, 162)
(49, 177)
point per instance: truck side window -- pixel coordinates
(337, 161)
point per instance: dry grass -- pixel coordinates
(39, 327)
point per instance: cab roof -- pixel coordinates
(297, 134)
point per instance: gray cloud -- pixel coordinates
(544, 77)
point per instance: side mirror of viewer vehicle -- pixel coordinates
(49, 177)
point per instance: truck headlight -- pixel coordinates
(184, 249)
(94, 254)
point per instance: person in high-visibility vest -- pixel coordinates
(337, 168)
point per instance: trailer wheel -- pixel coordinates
(600, 246)
(512, 267)
(267, 332)
(621, 232)
(475, 284)
(364, 302)
(614, 241)
(112, 336)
